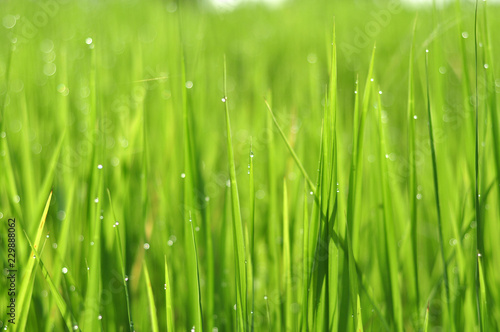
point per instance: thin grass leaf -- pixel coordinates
(287, 264)
(239, 244)
(168, 300)
(483, 295)
(426, 319)
(151, 300)
(390, 233)
(436, 189)
(292, 151)
(65, 311)
(122, 261)
(412, 172)
(28, 278)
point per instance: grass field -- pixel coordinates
(314, 166)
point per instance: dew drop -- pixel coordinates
(96, 200)
(419, 196)
(189, 84)
(99, 166)
(99, 317)
(183, 175)
(146, 246)
(88, 41)
(64, 270)
(415, 117)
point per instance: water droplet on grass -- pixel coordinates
(99, 317)
(64, 270)
(189, 84)
(465, 35)
(146, 246)
(415, 117)
(99, 166)
(183, 175)
(419, 196)
(88, 41)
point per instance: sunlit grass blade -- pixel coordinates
(239, 244)
(28, 277)
(290, 321)
(426, 319)
(122, 261)
(356, 171)
(483, 295)
(199, 318)
(305, 264)
(390, 233)
(292, 151)
(436, 189)
(151, 300)
(251, 241)
(168, 300)
(359, 318)
(65, 311)
(412, 172)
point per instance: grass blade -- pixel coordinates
(151, 300)
(436, 190)
(239, 244)
(28, 278)
(168, 300)
(122, 262)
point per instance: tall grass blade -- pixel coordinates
(436, 189)
(168, 300)
(151, 300)
(28, 278)
(122, 262)
(239, 244)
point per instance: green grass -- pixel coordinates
(261, 169)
